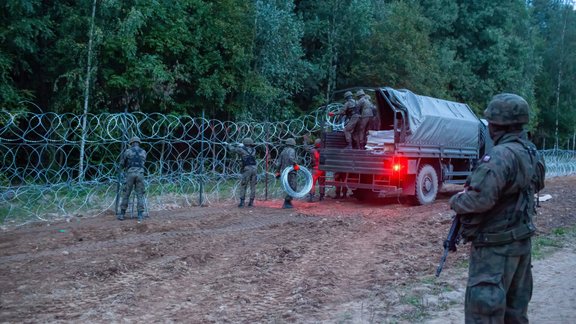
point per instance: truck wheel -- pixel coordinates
(426, 185)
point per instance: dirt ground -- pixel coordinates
(335, 261)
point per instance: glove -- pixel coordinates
(277, 175)
(296, 167)
(331, 114)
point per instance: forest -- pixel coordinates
(275, 60)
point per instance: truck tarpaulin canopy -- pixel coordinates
(435, 121)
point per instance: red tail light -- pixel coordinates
(398, 166)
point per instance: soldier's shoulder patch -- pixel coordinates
(486, 158)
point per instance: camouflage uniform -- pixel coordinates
(288, 158)
(249, 176)
(318, 176)
(133, 159)
(496, 212)
(375, 121)
(364, 106)
(349, 109)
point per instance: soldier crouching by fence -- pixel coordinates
(132, 160)
(247, 152)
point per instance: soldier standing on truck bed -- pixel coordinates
(375, 122)
(349, 109)
(364, 107)
(249, 175)
(496, 210)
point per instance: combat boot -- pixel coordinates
(287, 204)
(311, 198)
(120, 216)
(251, 202)
(140, 216)
(241, 204)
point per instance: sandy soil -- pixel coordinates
(336, 261)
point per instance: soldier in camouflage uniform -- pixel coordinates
(247, 152)
(364, 106)
(349, 109)
(132, 160)
(496, 210)
(375, 122)
(318, 176)
(288, 158)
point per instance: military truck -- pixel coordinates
(418, 144)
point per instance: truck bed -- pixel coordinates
(334, 157)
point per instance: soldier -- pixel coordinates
(340, 176)
(375, 122)
(132, 160)
(349, 109)
(496, 210)
(317, 174)
(286, 159)
(364, 106)
(247, 152)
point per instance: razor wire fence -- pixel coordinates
(559, 162)
(187, 160)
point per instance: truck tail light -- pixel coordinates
(399, 166)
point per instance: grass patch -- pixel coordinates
(544, 245)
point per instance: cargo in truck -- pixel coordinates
(419, 144)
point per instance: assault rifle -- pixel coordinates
(450, 243)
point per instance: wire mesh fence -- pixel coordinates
(42, 177)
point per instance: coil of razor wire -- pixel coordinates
(302, 171)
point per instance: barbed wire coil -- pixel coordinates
(305, 189)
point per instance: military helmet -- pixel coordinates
(360, 93)
(507, 109)
(135, 139)
(347, 94)
(291, 142)
(317, 142)
(247, 141)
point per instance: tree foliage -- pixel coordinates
(273, 59)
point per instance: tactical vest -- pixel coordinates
(511, 224)
(248, 159)
(135, 161)
(352, 109)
